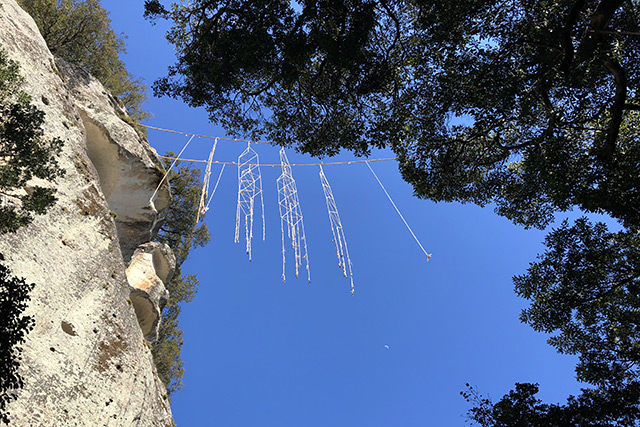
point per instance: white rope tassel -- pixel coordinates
(342, 252)
(249, 186)
(169, 170)
(205, 183)
(291, 218)
(398, 210)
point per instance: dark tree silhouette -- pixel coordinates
(14, 295)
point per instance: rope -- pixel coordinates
(206, 136)
(206, 208)
(398, 210)
(169, 170)
(254, 142)
(350, 162)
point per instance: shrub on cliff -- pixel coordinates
(80, 32)
(181, 233)
(24, 152)
(14, 294)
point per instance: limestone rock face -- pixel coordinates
(151, 267)
(87, 362)
(126, 165)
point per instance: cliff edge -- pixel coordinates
(86, 363)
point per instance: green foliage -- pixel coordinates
(25, 153)
(585, 289)
(80, 32)
(166, 350)
(180, 232)
(609, 407)
(529, 105)
(14, 295)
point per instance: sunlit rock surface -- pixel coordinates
(87, 362)
(151, 267)
(126, 165)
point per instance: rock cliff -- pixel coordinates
(87, 362)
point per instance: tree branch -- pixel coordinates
(565, 40)
(618, 106)
(599, 20)
(614, 287)
(397, 25)
(617, 33)
(603, 13)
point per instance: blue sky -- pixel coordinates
(259, 352)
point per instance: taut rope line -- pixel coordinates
(399, 213)
(171, 167)
(206, 136)
(274, 165)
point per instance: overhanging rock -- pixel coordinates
(126, 164)
(151, 268)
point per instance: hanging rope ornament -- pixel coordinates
(291, 218)
(342, 252)
(202, 208)
(249, 187)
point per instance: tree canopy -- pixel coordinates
(79, 31)
(531, 106)
(601, 407)
(585, 292)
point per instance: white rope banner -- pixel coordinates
(205, 183)
(249, 187)
(291, 219)
(342, 252)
